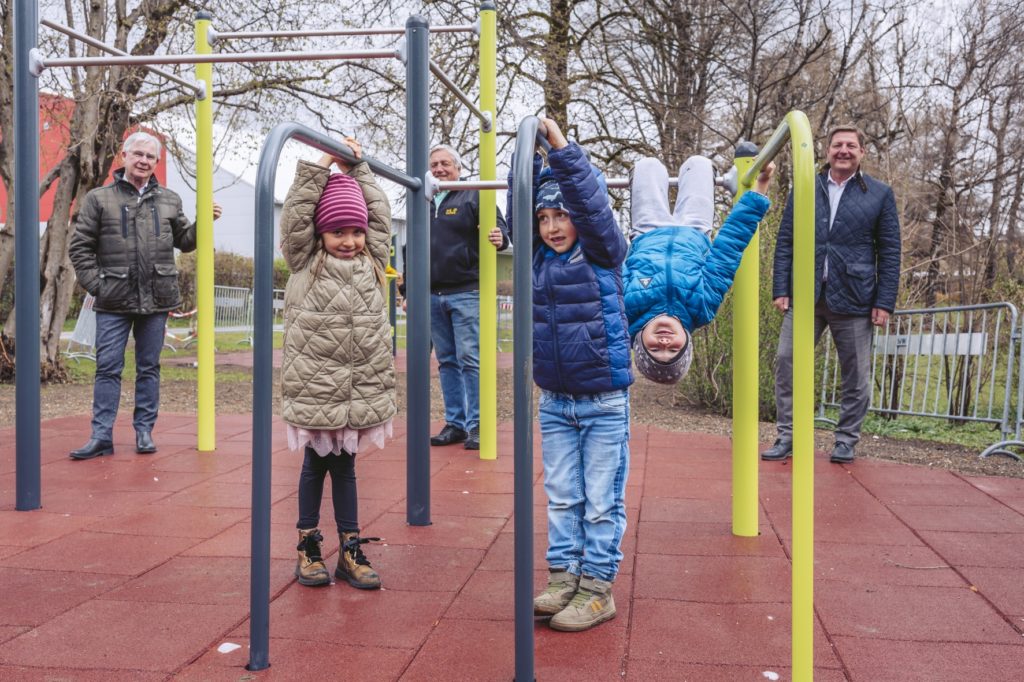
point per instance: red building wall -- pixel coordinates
(54, 137)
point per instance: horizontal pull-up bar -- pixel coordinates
(728, 181)
(198, 88)
(215, 35)
(38, 62)
(334, 148)
(484, 116)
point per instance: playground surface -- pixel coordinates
(136, 568)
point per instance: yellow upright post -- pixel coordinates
(207, 410)
(488, 258)
(803, 396)
(744, 373)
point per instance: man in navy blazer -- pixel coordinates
(856, 275)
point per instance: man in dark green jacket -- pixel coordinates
(123, 254)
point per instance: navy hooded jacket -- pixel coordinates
(580, 334)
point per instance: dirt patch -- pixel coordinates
(652, 404)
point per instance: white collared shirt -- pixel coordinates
(835, 193)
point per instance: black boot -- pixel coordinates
(144, 444)
(94, 448)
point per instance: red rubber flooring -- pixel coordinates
(137, 568)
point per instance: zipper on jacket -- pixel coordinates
(553, 325)
(124, 220)
(156, 219)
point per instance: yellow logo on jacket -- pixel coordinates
(451, 211)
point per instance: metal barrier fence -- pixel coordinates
(952, 363)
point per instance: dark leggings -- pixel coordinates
(343, 490)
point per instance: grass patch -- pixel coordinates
(974, 435)
(84, 371)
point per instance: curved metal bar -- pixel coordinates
(522, 236)
(198, 88)
(485, 119)
(798, 128)
(1000, 449)
(263, 369)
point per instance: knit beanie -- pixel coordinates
(670, 372)
(341, 205)
(549, 195)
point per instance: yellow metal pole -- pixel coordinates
(488, 257)
(745, 325)
(207, 410)
(803, 396)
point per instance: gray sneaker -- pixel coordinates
(559, 592)
(842, 453)
(591, 605)
(778, 452)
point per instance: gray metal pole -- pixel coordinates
(26, 260)
(485, 119)
(522, 360)
(263, 368)
(417, 253)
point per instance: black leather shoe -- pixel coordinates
(94, 448)
(778, 452)
(842, 454)
(473, 441)
(144, 444)
(449, 436)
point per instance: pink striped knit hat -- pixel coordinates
(341, 205)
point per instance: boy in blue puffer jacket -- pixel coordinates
(675, 276)
(582, 365)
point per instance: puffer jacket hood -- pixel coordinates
(338, 370)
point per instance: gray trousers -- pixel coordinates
(852, 336)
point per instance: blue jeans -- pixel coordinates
(585, 441)
(111, 338)
(455, 333)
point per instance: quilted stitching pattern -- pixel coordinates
(579, 340)
(337, 370)
(863, 247)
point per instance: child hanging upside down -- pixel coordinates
(675, 276)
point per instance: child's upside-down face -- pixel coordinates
(663, 337)
(347, 242)
(556, 229)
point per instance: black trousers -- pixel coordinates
(343, 490)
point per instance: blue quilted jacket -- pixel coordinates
(683, 273)
(862, 247)
(580, 339)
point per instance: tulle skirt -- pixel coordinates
(333, 441)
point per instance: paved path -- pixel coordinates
(137, 569)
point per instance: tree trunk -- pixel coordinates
(556, 64)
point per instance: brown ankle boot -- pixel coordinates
(310, 569)
(353, 566)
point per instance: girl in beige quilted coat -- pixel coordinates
(338, 375)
